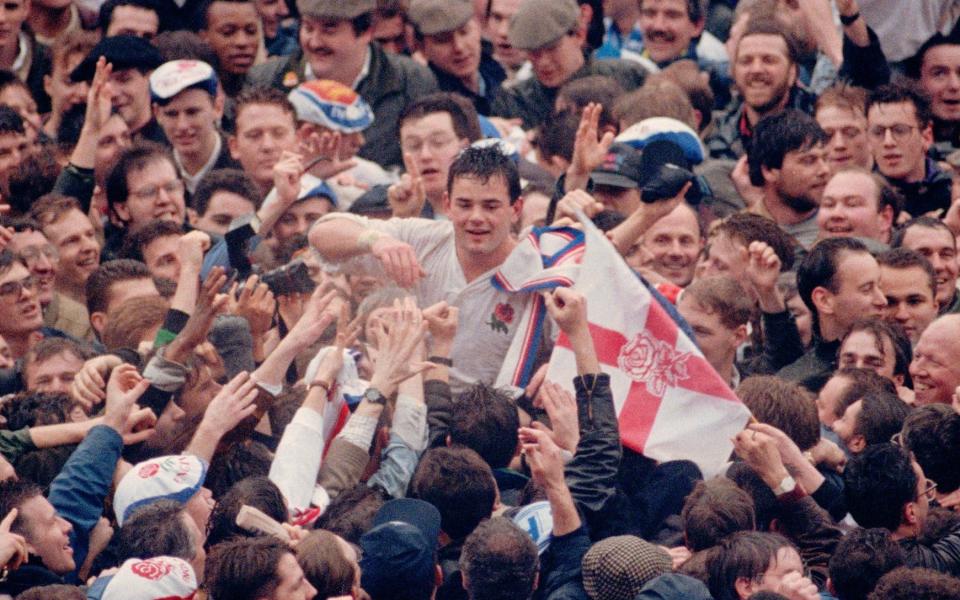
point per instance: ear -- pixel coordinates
(927, 135)
(744, 587)
(898, 379)
(886, 216)
(448, 441)
(155, 108)
(120, 208)
(517, 210)
(740, 334)
(823, 300)
(770, 175)
(699, 26)
(218, 106)
(857, 444)
(232, 146)
(447, 203)
(46, 84)
(192, 216)
(98, 321)
(909, 516)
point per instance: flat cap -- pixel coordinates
(123, 52)
(540, 23)
(335, 9)
(439, 16)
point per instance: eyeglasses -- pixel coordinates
(30, 254)
(929, 490)
(898, 131)
(11, 290)
(150, 193)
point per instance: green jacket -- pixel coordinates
(533, 102)
(393, 82)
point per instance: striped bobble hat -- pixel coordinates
(332, 105)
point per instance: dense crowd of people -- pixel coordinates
(314, 299)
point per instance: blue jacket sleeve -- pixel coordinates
(78, 491)
(560, 574)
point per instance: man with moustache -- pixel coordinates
(765, 77)
(787, 161)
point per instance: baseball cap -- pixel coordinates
(157, 578)
(332, 105)
(640, 134)
(335, 9)
(540, 23)
(176, 477)
(372, 201)
(621, 167)
(171, 78)
(399, 552)
(439, 16)
(121, 51)
(320, 190)
(537, 520)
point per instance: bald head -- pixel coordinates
(936, 361)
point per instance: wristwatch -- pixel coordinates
(786, 486)
(373, 396)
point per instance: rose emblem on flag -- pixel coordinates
(653, 362)
(151, 569)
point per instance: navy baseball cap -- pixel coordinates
(400, 551)
(121, 51)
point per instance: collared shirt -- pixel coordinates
(22, 61)
(364, 71)
(191, 181)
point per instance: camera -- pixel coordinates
(291, 278)
(666, 182)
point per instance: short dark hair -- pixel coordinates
(696, 10)
(862, 381)
(35, 176)
(485, 163)
(202, 14)
(745, 554)
(819, 268)
(49, 347)
(10, 121)
(136, 241)
(714, 510)
(244, 569)
(485, 420)
(8, 259)
(744, 227)
(156, 529)
(258, 492)
(33, 409)
(895, 93)
(100, 282)
(896, 238)
(352, 512)
(499, 561)
(776, 135)
(460, 484)
(234, 181)
(784, 405)
(135, 158)
(905, 258)
(602, 89)
(186, 45)
(53, 592)
(8, 78)
(932, 434)
(761, 24)
(723, 296)
(881, 416)
(14, 494)
(264, 95)
(324, 565)
(107, 8)
(50, 208)
(906, 583)
(465, 124)
(877, 484)
(861, 558)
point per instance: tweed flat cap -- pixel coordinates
(618, 567)
(540, 23)
(439, 16)
(335, 9)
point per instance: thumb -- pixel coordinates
(8, 520)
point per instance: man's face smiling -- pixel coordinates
(332, 47)
(936, 362)
(667, 28)
(482, 217)
(938, 246)
(940, 78)
(763, 71)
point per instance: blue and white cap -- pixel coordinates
(537, 520)
(171, 78)
(332, 105)
(640, 134)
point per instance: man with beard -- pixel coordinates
(787, 160)
(765, 77)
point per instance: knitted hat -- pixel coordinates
(158, 578)
(332, 105)
(618, 567)
(177, 477)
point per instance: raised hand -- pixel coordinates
(89, 386)
(257, 305)
(407, 196)
(561, 407)
(123, 390)
(99, 96)
(396, 347)
(233, 404)
(589, 150)
(286, 178)
(191, 248)
(576, 199)
(759, 451)
(568, 308)
(442, 320)
(762, 273)
(543, 458)
(13, 547)
(326, 157)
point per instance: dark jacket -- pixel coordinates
(781, 345)
(813, 369)
(533, 102)
(492, 76)
(393, 82)
(932, 193)
(943, 556)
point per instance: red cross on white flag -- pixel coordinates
(670, 402)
